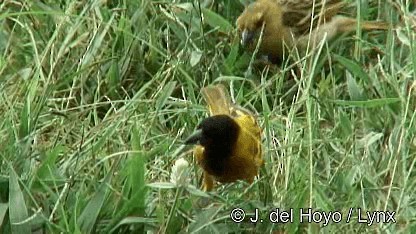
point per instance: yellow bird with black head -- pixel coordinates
(228, 143)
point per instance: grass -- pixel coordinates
(97, 97)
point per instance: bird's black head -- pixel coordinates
(218, 132)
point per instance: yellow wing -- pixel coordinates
(250, 139)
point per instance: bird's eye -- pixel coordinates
(259, 24)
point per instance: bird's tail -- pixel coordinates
(374, 25)
(217, 98)
(350, 24)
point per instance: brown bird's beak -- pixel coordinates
(194, 138)
(246, 37)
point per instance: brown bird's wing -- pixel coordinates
(339, 24)
(218, 99)
(322, 19)
(301, 15)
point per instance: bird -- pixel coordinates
(295, 23)
(228, 142)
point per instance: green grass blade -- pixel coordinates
(353, 67)
(88, 217)
(373, 103)
(18, 210)
(217, 21)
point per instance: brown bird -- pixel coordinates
(290, 23)
(228, 142)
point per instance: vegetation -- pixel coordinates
(97, 97)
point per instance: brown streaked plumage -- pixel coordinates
(287, 23)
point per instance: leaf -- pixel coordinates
(129, 207)
(48, 165)
(162, 185)
(403, 38)
(26, 114)
(232, 57)
(113, 76)
(195, 57)
(197, 192)
(345, 124)
(135, 189)
(216, 21)
(137, 169)
(165, 93)
(89, 215)
(369, 139)
(204, 220)
(134, 220)
(185, 6)
(353, 67)
(368, 103)
(3, 210)
(356, 94)
(18, 214)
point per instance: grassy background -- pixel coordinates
(97, 96)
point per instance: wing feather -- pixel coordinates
(301, 15)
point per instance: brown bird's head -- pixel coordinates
(218, 132)
(250, 22)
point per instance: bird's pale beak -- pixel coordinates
(194, 138)
(246, 37)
